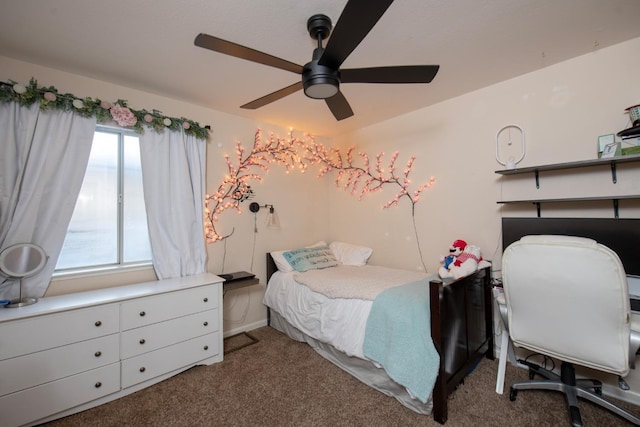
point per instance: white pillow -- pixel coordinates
(282, 264)
(348, 254)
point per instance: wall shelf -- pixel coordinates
(538, 202)
(611, 162)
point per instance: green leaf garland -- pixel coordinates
(50, 99)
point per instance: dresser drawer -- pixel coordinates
(22, 372)
(44, 332)
(38, 402)
(167, 359)
(152, 337)
(157, 308)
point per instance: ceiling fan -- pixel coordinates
(322, 76)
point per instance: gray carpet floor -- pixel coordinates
(279, 382)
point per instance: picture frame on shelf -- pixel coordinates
(603, 141)
(611, 150)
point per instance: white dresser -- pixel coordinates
(72, 352)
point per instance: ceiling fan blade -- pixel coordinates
(229, 48)
(274, 96)
(355, 22)
(398, 74)
(339, 106)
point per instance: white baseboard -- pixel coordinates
(245, 328)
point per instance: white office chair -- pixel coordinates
(567, 298)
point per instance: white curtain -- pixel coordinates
(173, 177)
(43, 158)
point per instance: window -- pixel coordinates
(109, 223)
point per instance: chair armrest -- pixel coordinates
(504, 313)
(634, 340)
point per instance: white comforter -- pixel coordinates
(365, 282)
(340, 322)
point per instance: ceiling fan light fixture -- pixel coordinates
(321, 87)
(319, 81)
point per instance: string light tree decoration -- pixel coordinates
(366, 179)
(362, 180)
(249, 166)
(298, 154)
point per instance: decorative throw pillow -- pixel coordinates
(282, 264)
(348, 254)
(314, 258)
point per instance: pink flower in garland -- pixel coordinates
(122, 115)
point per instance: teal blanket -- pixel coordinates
(398, 337)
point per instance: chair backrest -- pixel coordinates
(567, 297)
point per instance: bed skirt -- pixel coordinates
(363, 370)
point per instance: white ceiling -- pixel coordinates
(148, 45)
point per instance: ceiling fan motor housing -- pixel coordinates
(319, 26)
(319, 81)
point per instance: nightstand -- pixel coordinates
(237, 280)
(233, 281)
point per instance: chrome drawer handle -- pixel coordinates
(142, 341)
(206, 323)
(206, 347)
(142, 313)
(98, 384)
(98, 353)
(98, 323)
(143, 369)
(205, 299)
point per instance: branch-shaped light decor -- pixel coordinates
(365, 179)
(50, 99)
(362, 180)
(295, 153)
(248, 167)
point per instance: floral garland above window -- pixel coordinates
(104, 111)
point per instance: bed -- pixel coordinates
(339, 327)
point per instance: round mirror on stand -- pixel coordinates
(20, 261)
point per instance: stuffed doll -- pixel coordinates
(466, 263)
(456, 249)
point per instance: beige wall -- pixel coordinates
(563, 109)
(302, 203)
